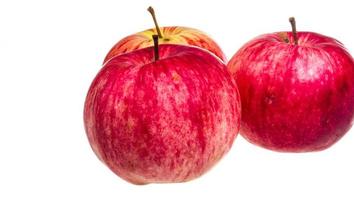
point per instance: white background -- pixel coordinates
(51, 50)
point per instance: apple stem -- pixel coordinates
(152, 12)
(156, 47)
(293, 27)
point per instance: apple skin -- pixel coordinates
(295, 98)
(171, 35)
(162, 121)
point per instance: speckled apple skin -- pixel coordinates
(164, 121)
(295, 98)
(171, 35)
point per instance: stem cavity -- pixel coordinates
(152, 12)
(284, 37)
(156, 47)
(293, 27)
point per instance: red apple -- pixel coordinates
(164, 120)
(167, 35)
(297, 90)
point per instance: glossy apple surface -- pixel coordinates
(295, 98)
(171, 35)
(168, 120)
